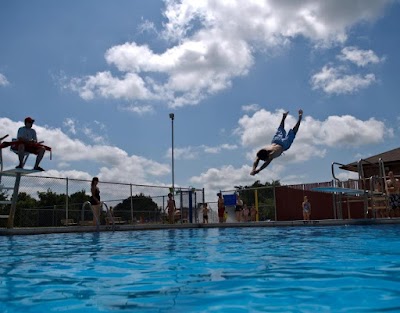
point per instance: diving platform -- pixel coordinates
(17, 173)
(20, 171)
(370, 191)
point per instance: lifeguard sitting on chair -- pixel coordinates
(27, 143)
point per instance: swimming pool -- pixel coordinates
(283, 269)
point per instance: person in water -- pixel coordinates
(280, 143)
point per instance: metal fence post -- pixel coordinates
(131, 204)
(256, 203)
(276, 217)
(66, 200)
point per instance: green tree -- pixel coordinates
(49, 202)
(76, 200)
(25, 214)
(142, 205)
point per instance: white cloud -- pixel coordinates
(251, 107)
(187, 153)
(257, 131)
(103, 84)
(359, 57)
(70, 124)
(212, 42)
(192, 153)
(226, 177)
(147, 27)
(138, 109)
(220, 148)
(346, 175)
(3, 80)
(335, 81)
(93, 135)
(339, 79)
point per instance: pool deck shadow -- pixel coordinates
(139, 227)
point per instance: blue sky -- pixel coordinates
(101, 77)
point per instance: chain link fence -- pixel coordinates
(258, 204)
(52, 201)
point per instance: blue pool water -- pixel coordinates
(288, 269)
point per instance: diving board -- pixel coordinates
(21, 171)
(347, 191)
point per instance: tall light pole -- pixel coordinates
(172, 116)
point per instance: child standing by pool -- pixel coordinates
(205, 213)
(221, 208)
(306, 209)
(245, 213)
(171, 209)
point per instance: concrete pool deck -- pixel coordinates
(139, 227)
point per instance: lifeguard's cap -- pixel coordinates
(29, 120)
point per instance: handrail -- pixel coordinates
(83, 214)
(110, 215)
(333, 172)
(96, 217)
(383, 175)
(1, 155)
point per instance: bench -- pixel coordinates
(68, 222)
(117, 220)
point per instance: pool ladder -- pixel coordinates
(109, 214)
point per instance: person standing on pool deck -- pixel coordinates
(171, 209)
(95, 200)
(306, 209)
(393, 187)
(280, 143)
(238, 208)
(205, 213)
(221, 208)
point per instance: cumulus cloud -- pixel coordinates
(226, 177)
(3, 80)
(114, 163)
(251, 107)
(340, 79)
(335, 81)
(103, 84)
(359, 57)
(69, 123)
(194, 152)
(138, 109)
(220, 148)
(212, 42)
(346, 130)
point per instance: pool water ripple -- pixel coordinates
(298, 269)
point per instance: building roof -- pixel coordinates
(388, 157)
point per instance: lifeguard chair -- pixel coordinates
(15, 172)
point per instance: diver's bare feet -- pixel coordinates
(300, 112)
(285, 114)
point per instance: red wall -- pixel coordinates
(289, 200)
